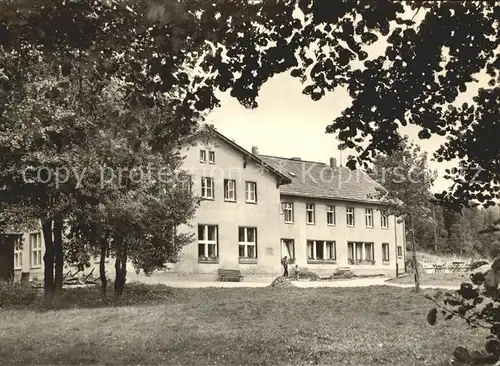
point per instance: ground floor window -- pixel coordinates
(18, 254)
(208, 243)
(360, 253)
(288, 249)
(400, 251)
(385, 252)
(321, 250)
(247, 244)
(35, 250)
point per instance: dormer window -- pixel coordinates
(203, 156)
(211, 157)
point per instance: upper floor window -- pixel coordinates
(251, 192)
(369, 217)
(207, 188)
(211, 157)
(310, 213)
(330, 215)
(384, 219)
(288, 212)
(350, 216)
(229, 190)
(203, 156)
(186, 184)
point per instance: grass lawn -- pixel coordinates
(438, 279)
(330, 326)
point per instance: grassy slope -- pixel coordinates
(348, 326)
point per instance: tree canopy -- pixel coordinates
(432, 51)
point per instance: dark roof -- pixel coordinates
(284, 179)
(319, 180)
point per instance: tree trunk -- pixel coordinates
(58, 255)
(48, 261)
(120, 268)
(435, 229)
(102, 268)
(414, 252)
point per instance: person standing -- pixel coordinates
(284, 262)
(297, 272)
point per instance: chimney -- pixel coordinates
(255, 150)
(333, 163)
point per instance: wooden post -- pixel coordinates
(397, 270)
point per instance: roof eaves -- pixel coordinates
(333, 198)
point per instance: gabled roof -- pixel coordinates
(319, 180)
(283, 179)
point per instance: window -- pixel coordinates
(207, 243)
(207, 188)
(18, 254)
(211, 157)
(203, 156)
(229, 190)
(321, 250)
(384, 219)
(247, 237)
(35, 250)
(187, 184)
(251, 192)
(400, 251)
(369, 217)
(350, 216)
(360, 253)
(288, 212)
(385, 252)
(330, 215)
(288, 249)
(310, 214)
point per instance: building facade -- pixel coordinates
(256, 209)
(330, 218)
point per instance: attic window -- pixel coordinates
(292, 174)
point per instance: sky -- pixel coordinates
(288, 123)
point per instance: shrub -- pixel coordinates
(478, 304)
(134, 294)
(281, 282)
(16, 294)
(83, 297)
(308, 275)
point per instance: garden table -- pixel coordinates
(439, 268)
(457, 267)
